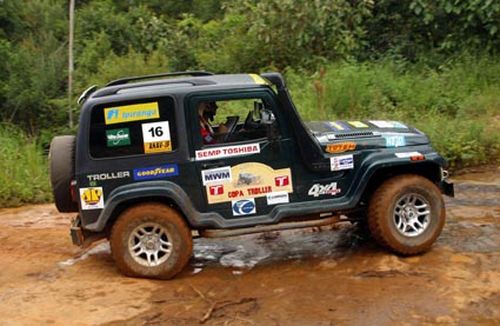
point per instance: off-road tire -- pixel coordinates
(168, 218)
(381, 210)
(62, 171)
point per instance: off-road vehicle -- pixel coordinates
(160, 158)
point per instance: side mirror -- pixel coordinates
(267, 117)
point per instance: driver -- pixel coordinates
(206, 114)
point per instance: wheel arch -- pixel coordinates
(428, 170)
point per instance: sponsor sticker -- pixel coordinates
(274, 198)
(218, 175)
(407, 154)
(342, 162)
(320, 190)
(92, 198)
(243, 207)
(117, 137)
(156, 136)
(338, 126)
(358, 124)
(156, 172)
(340, 147)
(108, 176)
(387, 124)
(134, 112)
(229, 151)
(249, 180)
(394, 141)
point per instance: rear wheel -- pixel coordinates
(406, 214)
(151, 240)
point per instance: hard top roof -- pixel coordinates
(166, 82)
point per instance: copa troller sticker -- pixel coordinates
(92, 198)
(249, 180)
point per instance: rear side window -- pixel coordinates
(133, 128)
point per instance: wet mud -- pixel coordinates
(317, 276)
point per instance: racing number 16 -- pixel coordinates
(156, 132)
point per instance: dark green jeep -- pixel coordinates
(160, 158)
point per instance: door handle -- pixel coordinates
(213, 165)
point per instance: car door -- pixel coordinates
(248, 174)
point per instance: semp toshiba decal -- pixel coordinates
(246, 180)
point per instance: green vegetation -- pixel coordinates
(24, 174)
(431, 63)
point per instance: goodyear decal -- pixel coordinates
(340, 147)
(248, 180)
(134, 112)
(258, 80)
(358, 124)
(156, 172)
(92, 198)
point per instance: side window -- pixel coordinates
(235, 120)
(133, 128)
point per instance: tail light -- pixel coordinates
(72, 189)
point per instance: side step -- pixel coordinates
(221, 233)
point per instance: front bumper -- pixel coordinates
(447, 188)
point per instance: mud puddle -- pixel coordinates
(317, 276)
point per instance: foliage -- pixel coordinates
(24, 175)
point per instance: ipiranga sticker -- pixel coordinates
(156, 136)
(215, 176)
(134, 112)
(228, 151)
(341, 162)
(248, 180)
(92, 198)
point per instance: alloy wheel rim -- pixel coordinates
(411, 215)
(150, 244)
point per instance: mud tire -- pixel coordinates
(381, 208)
(168, 218)
(62, 171)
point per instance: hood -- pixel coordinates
(356, 134)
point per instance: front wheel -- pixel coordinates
(151, 240)
(406, 214)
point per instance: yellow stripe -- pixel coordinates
(336, 125)
(357, 124)
(257, 79)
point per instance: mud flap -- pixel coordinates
(447, 188)
(76, 232)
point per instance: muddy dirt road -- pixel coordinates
(306, 277)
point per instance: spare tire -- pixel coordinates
(62, 171)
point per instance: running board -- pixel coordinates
(221, 233)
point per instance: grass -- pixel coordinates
(457, 106)
(23, 169)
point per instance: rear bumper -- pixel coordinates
(447, 188)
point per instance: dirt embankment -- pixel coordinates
(306, 277)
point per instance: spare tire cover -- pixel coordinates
(62, 171)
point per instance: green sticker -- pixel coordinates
(118, 137)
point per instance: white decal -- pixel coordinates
(320, 190)
(108, 176)
(229, 151)
(216, 176)
(243, 207)
(407, 154)
(156, 136)
(342, 162)
(274, 198)
(387, 124)
(92, 198)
